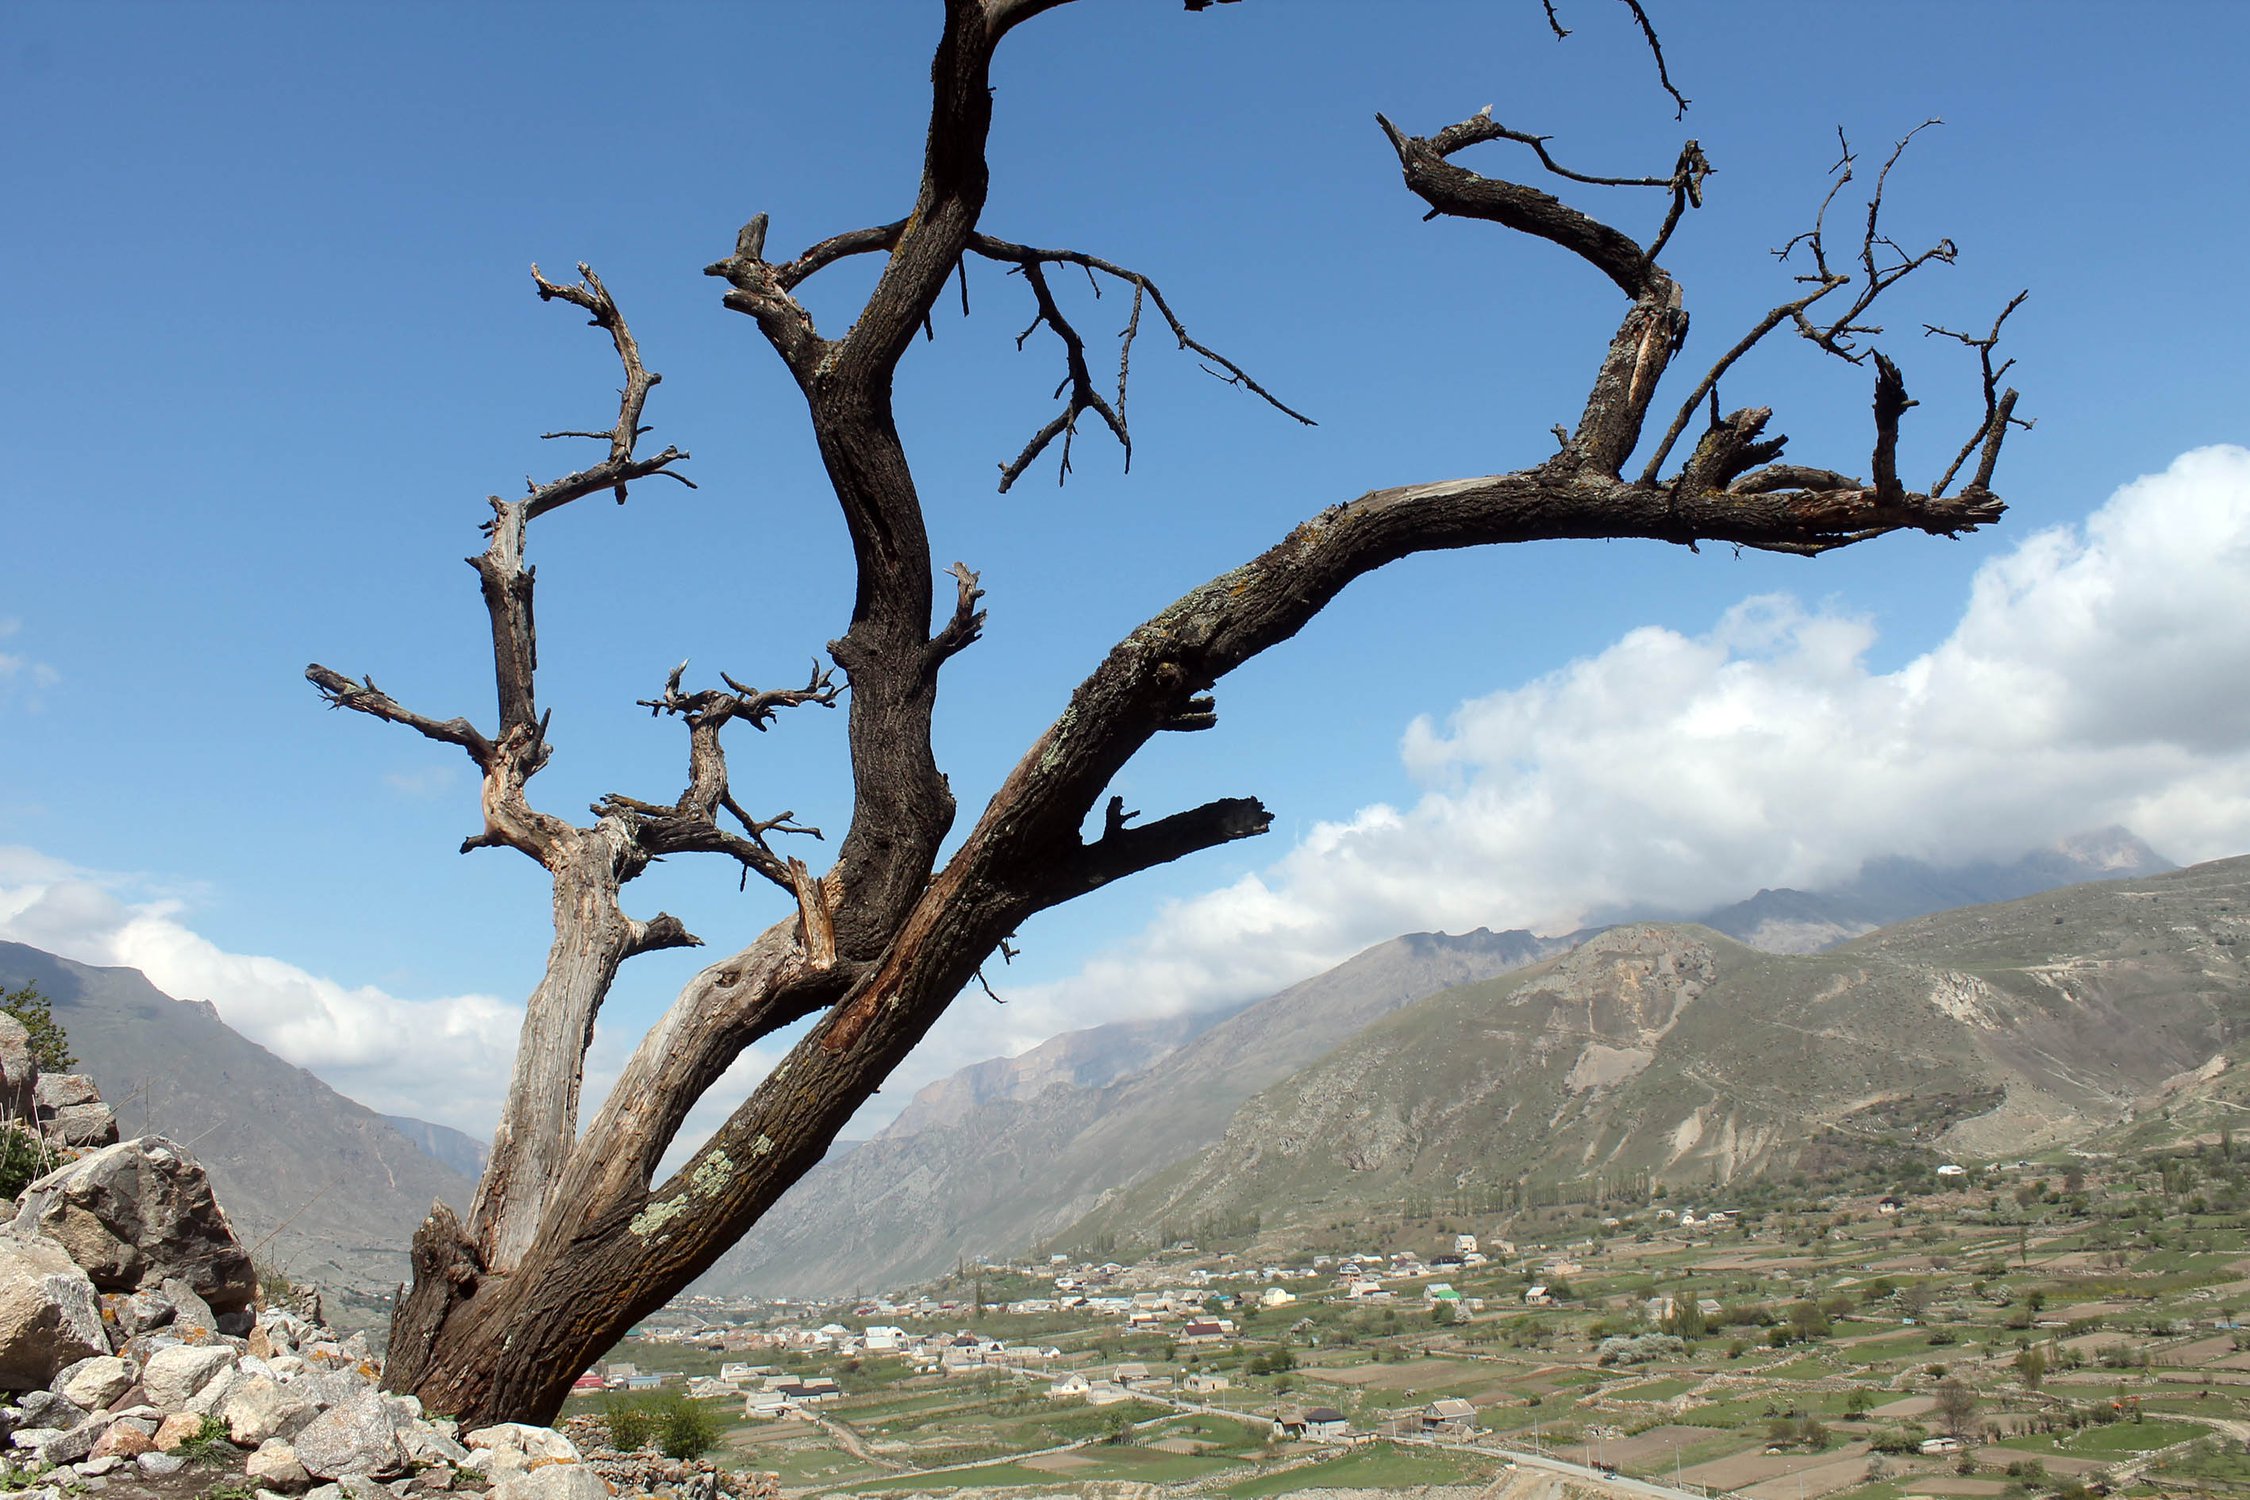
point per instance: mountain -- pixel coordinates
(319, 1187)
(1676, 1054)
(1896, 889)
(459, 1152)
(1089, 1059)
(952, 1179)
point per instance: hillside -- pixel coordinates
(939, 1185)
(321, 1188)
(1675, 1053)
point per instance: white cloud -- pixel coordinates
(2094, 677)
(22, 680)
(438, 1059)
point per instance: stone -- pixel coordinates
(82, 1125)
(192, 1318)
(143, 1312)
(360, 1487)
(524, 1440)
(138, 1212)
(176, 1429)
(59, 1090)
(175, 1374)
(49, 1409)
(352, 1437)
(94, 1382)
(553, 1482)
(48, 1316)
(205, 1403)
(156, 1465)
(67, 1447)
(275, 1465)
(29, 1438)
(95, 1468)
(258, 1410)
(426, 1443)
(19, 1075)
(126, 1439)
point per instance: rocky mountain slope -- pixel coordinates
(321, 1188)
(945, 1182)
(1894, 890)
(1676, 1053)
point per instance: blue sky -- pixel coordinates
(273, 342)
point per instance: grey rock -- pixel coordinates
(96, 1468)
(65, 1447)
(425, 1443)
(160, 1464)
(94, 1382)
(174, 1375)
(61, 1090)
(324, 1492)
(360, 1487)
(258, 1410)
(235, 1324)
(49, 1409)
(553, 1482)
(144, 1311)
(353, 1437)
(19, 1075)
(205, 1403)
(275, 1465)
(138, 1212)
(191, 1315)
(48, 1316)
(82, 1125)
(29, 1439)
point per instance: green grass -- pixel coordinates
(989, 1474)
(1379, 1466)
(2110, 1439)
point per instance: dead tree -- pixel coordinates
(571, 1236)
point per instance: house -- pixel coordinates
(1537, 1297)
(1937, 1445)
(590, 1381)
(1951, 1170)
(1321, 1424)
(1441, 1291)
(1203, 1384)
(1202, 1331)
(1889, 1206)
(1464, 1244)
(1107, 1393)
(1449, 1415)
(1065, 1386)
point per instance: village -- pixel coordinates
(2002, 1329)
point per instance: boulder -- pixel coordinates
(138, 1212)
(192, 1319)
(258, 1410)
(94, 1382)
(275, 1466)
(176, 1373)
(142, 1312)
(48, 1316)
(127, 1439)
(525, 1441)
(81, 1125)
(156, 1465)
(60, 1090)
(554, 1482)
(176, 1429)
(19, 1075)
(47, 1409)
(353, 1437)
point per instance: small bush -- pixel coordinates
(685, 1429)
(630, 1423)
(23, 1158)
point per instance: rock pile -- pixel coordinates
(133, 1344)
(64, 1107)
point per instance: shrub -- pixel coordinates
(23, 1157)
(685, 1429)
(630, 1423)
